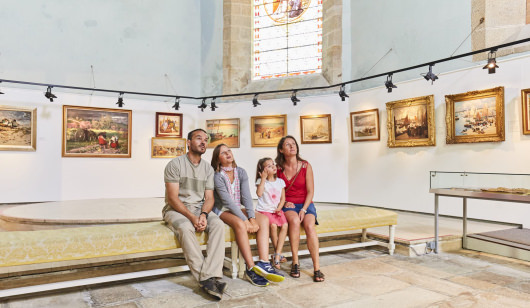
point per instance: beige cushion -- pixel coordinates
(31, 247)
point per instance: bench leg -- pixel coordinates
(363, 236)
(234, 254)
(391, 246)
(242, 266)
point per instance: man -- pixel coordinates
(189, 201)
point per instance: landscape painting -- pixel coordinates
(166, 147)
(266, 131)
(316, 128)
(18, 129)
(96, 132)
(223, 131)
(476, 116)
(411, 122)
(365, 125)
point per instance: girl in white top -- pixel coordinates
(271, 193)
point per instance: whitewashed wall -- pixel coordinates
(399, 177)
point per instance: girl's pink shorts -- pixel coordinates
(277, 219)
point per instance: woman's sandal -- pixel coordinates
(283, 259)
(318, 276)
(295, 270)
(276, 263)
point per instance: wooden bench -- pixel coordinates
(23, 252)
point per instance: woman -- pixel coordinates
(299, 208)
(232, 190)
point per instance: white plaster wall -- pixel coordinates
(329, 161)
(46, 176)
(399, 177)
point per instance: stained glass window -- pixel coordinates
(287, 38)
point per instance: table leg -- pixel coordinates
(464, 215)
(436, 223)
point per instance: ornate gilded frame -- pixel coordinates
(257, 140)
(525, 102)
(377, 127)
(159, 151)
(428, 101)
(303, 124)
(450, 100)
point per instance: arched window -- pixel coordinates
(287, 38)
(298, 63)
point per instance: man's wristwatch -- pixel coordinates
(205, 214)
(305, 211)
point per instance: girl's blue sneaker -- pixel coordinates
(256, 279)
(265, 270)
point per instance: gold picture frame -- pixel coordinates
(96, 132)
(525, 102)
(18, 129)
(223, 131)
(475, 116)
(266, 131)
(168, 124)
(315, 128)
(411, 122)
(167, 147)
(365, 125)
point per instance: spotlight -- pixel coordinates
(342, 93)
(388, 84)
(49, 95)
(177, 103)
(255, 100)
(492, 63)
(294, 99)
(212, 104)
(203, 105)
(120, 102)
(430, 76)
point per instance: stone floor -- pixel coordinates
(356, 278)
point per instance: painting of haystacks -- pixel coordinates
(96, 132)
(18, 129)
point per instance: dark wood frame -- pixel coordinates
(175, 135)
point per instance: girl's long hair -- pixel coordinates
(216, 163)
(280, 159)
(260, 167)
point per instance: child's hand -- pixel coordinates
(277, 211)
(264, 174)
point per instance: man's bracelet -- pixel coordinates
(205, 214)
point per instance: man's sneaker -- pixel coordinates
(221, 286)
(265, 270)
(255, 279)
(210, 286)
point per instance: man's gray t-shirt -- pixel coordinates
(193, 180)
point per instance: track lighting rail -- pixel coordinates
(492, 49)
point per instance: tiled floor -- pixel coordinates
(357, 278)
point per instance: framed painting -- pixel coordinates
(167, 147)
(266, 131)
(525, 101)
(168, 124)
(315, 128)
(365, 125)
(476, 116)
(96, 132)
(223, 131)
(411, 122)
(18, 129)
